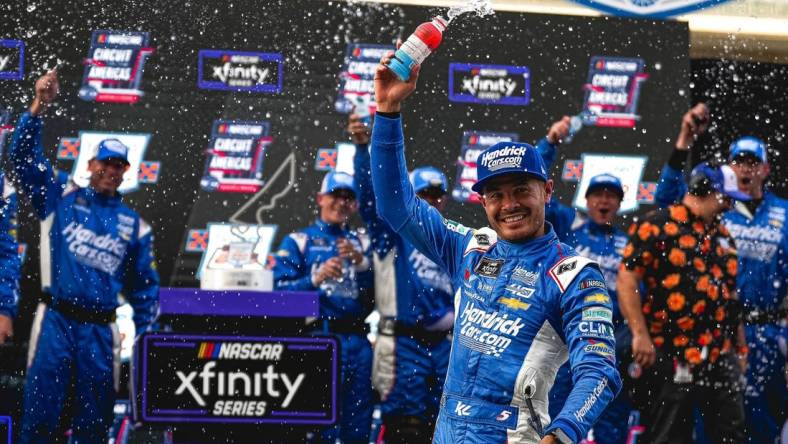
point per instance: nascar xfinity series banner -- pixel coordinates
(490, 84)
(258, 72)
(235, 156)
(356, 81)
(649, 8)
(233, 379)
(613, 91)
(114, 66)
(473, 143)
(12, 59)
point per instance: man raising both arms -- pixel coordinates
(521, 300)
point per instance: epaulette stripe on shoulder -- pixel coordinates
(567, 269)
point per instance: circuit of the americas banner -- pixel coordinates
(649, 8)
(236, 379)
(235, 156)
(357, 78)
(613, 91)
(114, 66)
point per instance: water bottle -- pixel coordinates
(424, 40)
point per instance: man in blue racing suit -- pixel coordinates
(523, 304)
(596, 238)
(96, 247)
(329, 258)
(415, 300)
(761, 234)
(9, 259)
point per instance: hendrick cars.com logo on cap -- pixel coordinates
(229, 379)
(489, 84)
(473, 143)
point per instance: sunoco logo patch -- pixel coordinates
(490, 84)
(240, 71)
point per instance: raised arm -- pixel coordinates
(587, 319)
(671, 187)
(440, 240)
(34, 174)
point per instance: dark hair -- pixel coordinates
(700, 184)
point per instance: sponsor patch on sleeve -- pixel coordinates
(600, 298)
(591, 283)
(593, 329)
(598, 314)
(456, 227)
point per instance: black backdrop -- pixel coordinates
(312, 35)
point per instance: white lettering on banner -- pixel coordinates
(232, 145)
(591, 400)
(238, 383)
(112, 55)
(612, 65)
(124, 39)
(360, 85)
(239, 408)
(429, 272)
(245, 130)
(487, 332)
(4, 62)
(609, 80)
(109, 73)
(375, 53)
(237, 350)
(365, 68)
(248, 59)
(231, 163)
(608, 98)
(240, 75)
(489, 88)
(103, 252)
(488, 140)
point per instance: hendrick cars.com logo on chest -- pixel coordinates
(489, 84)
(114, 66)
(258, 72)
(203, 378)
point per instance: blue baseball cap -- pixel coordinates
(507, 158)
(602, 181)
(425, 177)
(748, 146)
(722, 180)
(112, 149)
(335, 181)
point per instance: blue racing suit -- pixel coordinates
(415, 300)
(762, 280)
(343, 307)
(9, 250)
(93, 247)
(605, 246)
(522, 310)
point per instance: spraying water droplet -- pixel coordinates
(482, 8)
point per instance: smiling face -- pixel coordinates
(751, 174)
(337, 207)
(106, 175)
(514, 204)
(603, 204)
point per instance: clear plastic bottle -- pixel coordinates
(424, 40)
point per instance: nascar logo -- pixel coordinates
(240, 350)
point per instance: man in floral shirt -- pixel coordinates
(687, 331)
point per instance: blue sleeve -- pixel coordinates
(416, 221)
(547, 151)
(290, 270)
(9, 251)
(671, 187)
(381, 236)
(144, 280)
(561, 217)
(588, 329)
(33, 172)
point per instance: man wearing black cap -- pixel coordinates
(687, 333)
(93, 247)
(761, 233)
(521, 310)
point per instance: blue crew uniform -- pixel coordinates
(344, 304)
(415, 300)
(762, 244)
(93, 247)
(9, 250)
(520, 313)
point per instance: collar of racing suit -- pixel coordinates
(331, 229)
(102, 199)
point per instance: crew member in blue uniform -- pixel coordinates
(330, 258)
(415, 300)
(9, 259)
(93, 247)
